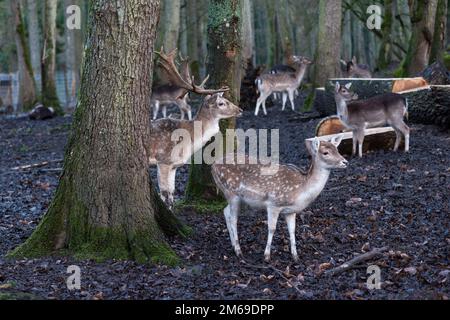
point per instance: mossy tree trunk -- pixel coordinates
(49, 96)
(423, 13)
(440, 33)
(105, 206)
(329, 41)
(224, 66)
(172, 24)
(385, 53)
(27, 87)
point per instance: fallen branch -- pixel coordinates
(277, 271)
(358, 259)
(37, 165)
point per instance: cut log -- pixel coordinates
(375, 139)
(429, 105)
(330, 125)
(437, 74)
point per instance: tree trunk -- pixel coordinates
(105, 206)
(49, 95)
(34, 37)
(423, 13)
(440, 33)
(27, 87)
(248, 35)
(329, 43)
(73, 59)
(224, 66)
(385, 54)
(172, 24)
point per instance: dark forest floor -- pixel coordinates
(385, 199)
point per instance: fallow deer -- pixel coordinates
(168, 94)
(167, 154)
(284, 68)
(355, 70)
(287, 190)
(285, 83)
(386, 109)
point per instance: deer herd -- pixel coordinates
(286, 191)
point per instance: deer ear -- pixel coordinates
(315, 145)
(343, 62)
(336, 141)
(348, 86)
(221, 94)
(337, 87)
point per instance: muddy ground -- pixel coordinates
(397, 200)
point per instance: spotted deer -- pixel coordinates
(168, 94)
(386, 109)
(169, 154)
(355, 70)
(285, 83)
(284, 68)
(286, 191)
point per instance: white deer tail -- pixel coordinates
(258, 83)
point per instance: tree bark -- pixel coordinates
(224, 66)
(172, 24)
(329, 42)
(440, 33)
(423, 13)
(248, 34)
(73, 53)
(34, 37)
(385, 53)
(27, 87)
(105, 206)
(49, 95)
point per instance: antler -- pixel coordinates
(167, 62)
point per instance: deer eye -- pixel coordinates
(221, 104)
(326, 153)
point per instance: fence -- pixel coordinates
(9, 88)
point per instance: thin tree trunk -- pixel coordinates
(34, 37)
(105, 206)
(440, 32)
(423, 13)
(27, 87)
(248, 34)
(329, 42)
(49, 95)
(385, 54)
(224, 66)
(172, 24)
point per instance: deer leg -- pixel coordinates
(189, 114)
(284, 100)
(164, 111)
(401, 129)
(227, 214)
(261, 100)
(166, 183)
(272, 219)
(355, 144)
(291, 99)
(290, 221)
(360, 139)
(234, 210)
(155, 110)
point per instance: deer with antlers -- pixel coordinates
(168, 153)
(285, 191)
(168, 94)
(285, 83)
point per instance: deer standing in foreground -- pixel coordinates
(286, 83)
(386, 109)
(172, 94)
(162, 147)
(355, 70)
(286, 191)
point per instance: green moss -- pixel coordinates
(15, 295)
(447, 60)
(202, 206)
(309, 102)
(221, 12)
